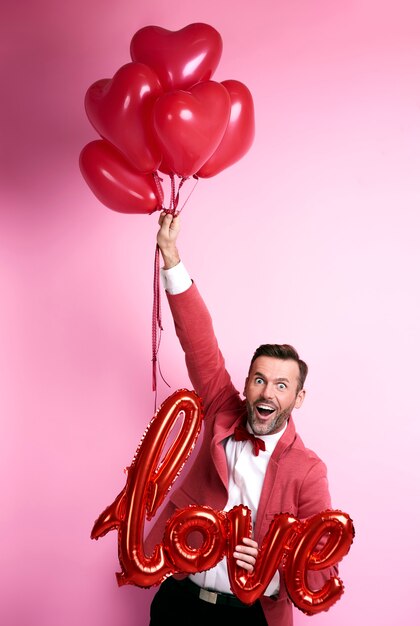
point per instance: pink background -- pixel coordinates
(311, 239)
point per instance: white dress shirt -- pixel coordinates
(176, 279)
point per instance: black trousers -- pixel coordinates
(175, 605)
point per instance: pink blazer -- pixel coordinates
(296, 479)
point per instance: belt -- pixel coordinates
(213, 597)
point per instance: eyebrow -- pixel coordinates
(277, 380)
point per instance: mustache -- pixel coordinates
(264, 401)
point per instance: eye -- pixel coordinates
(259, 381)
(281, 386)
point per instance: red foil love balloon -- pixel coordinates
(190, 125)
(239, 133)
(296, 547)
(180, 58)
(121, 109)
(115, 182)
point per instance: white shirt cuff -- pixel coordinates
(176, 279)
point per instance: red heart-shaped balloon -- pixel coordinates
(180, 58)
(239, 133)
(121, 110)
(190, 125)
(115, 182)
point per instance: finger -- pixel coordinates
(250, 542)
(252, 550)
(247, 566)
(165, 222)
(174, 222)
(248, 553)
(248, 558)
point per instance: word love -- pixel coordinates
(296, 546)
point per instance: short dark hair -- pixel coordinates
(283, 351)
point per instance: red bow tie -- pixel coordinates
(242, 434)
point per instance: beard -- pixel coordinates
(269, 426)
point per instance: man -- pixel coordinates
(273, 474)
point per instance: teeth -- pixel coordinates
(265, 410)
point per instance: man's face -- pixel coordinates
(271, 393)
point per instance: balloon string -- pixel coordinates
(157, 327)
(158, 183)
(157, 314)
(156, 318)
(172, 206)
(175, 193)
(176, 199)
(190, 194)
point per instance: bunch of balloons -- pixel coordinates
(161, 114)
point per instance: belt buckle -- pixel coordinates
(208, 596)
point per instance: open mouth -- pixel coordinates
(264, 410)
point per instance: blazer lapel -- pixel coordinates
(224, 428)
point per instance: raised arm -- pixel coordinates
(193, 325)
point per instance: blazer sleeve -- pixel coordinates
(205, 363)
(314, 495)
